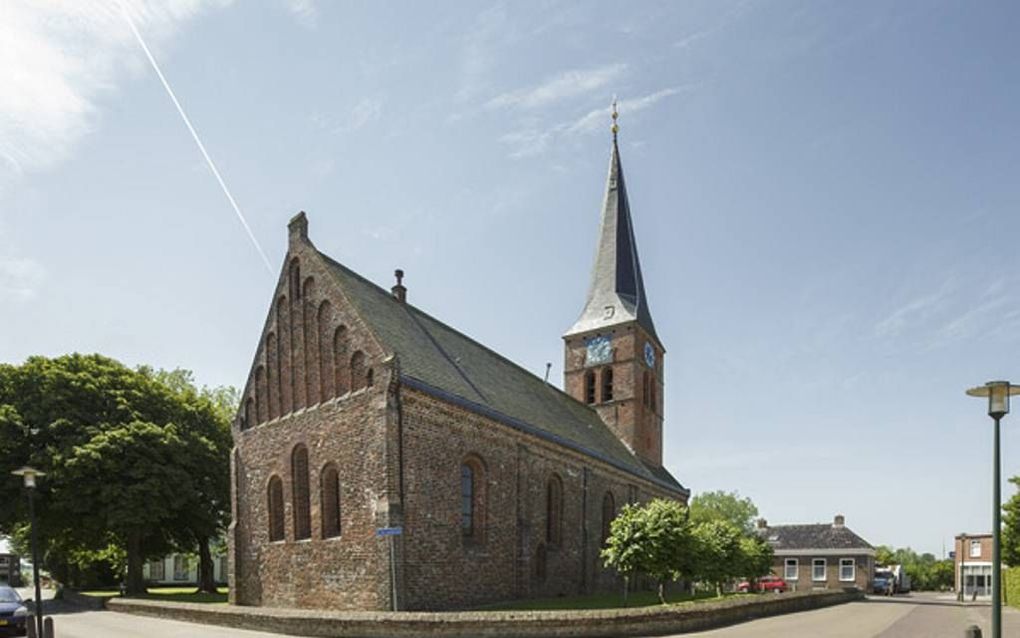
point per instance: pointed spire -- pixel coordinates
(617, 291)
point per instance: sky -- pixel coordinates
(825, 199)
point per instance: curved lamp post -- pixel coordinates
(997, 393)
(30, 474)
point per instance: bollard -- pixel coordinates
(972, 632)
(31, 628)
(47, 627)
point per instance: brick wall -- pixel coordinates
(863, 571)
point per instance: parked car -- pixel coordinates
(13, 613)
(883, 582)
(766, 583)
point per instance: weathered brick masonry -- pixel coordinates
(362, 412)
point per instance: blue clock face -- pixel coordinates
(649, 355)
(599, 350)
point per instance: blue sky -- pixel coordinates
(825, 198)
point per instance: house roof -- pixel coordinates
(617, 291)
(816, 536)
(438, 359)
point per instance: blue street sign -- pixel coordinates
(389, 531)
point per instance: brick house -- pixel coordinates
(362, 412)
(820, 556)
(972, 557)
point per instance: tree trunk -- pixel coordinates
(135, 583)
(662, 592)
(206, 577)
(626, 586)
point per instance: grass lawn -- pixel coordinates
(176, 594)
(605, 601)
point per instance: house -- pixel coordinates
(972, 560)
(384, 460)
(10, 569)
(820, 556)
(181, 569)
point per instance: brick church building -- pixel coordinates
(362, 412)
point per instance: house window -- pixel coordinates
(589, 387)
(330, 494)
(157, 570)
(275, 507)
(818, 569)
(791, 569)
(181, 567)
(608, 514)
(607, 385)
(975, 549)
(847, 569)
(300, 493)
(554, 511)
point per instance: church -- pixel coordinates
(383, 460)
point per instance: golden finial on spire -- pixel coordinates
(614, 113)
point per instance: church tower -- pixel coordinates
(613, 357)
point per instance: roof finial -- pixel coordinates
(615, 114)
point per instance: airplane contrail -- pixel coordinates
(194, 135)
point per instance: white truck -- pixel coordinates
(901, 577)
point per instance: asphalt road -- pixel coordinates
(110, 624)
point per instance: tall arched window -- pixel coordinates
(260, 393)
(357, 370)
(472, 499)
(272, 369)
(283, 358)
(554, 511)
(608, 514)
(589, 387)
(607, 385)
(311, 340)
(330, 496)
(339, 359)
(274, 504)
(300, 497)
(297, 338)
(249, 413)
(324, 324)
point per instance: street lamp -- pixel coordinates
(29, 474)
(998, 393)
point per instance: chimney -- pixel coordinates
(761, 523)
(399, 291)
(298, 229)
(838, 521)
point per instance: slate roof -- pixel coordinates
(438, 359)
(616, 280)
(817, 536)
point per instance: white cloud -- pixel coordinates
(57, 57)
(914, 311)
(19, 278)
(304, 11)
(565, 85)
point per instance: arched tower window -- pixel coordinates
(260, 393)
(301, 501)
(554, 511)
(297, 338)
(472, 499)
(249, 413)
(274, 505)
(607, 384)
(311, 340)
(327, 378)
(589, 387)
(357, 370)
(272, 370)
(339, 360)
(283, 358)
(608, 514)
(330, 496)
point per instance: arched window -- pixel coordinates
(260, 393)
(274, 504)
(339, 359)
(295, 278)
(249, 413)
(357, 370)
(540, 562)
(645, 389)
(554, 511)
(607, 385)
(608, 514)
(369, 378)
(282, 376)
(300, 496)
(472, 499)
(327, 379)
(297, 338)
(272, 369)
(310, 326)
(330, 494)
(589, 387)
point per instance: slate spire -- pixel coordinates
(617, 291)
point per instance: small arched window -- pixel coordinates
(369, 378)
(249, 414)
(358, 370)
(608, 514)
(589, 387)
(339, 359)
(300, 496)
(607, 385)
(274, 504)
(330, 495)
(295, 279)
(472, 499)
(554, 511)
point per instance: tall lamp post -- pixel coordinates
(998, 393)
(30, 474)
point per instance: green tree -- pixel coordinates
(755, 557)
(1011, 527)
(884, 555)
(726, 506)
(718, 559)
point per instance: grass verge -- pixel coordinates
(175, 594)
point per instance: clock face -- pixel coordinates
(649, 355)
(599, 350)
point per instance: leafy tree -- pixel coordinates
(726, 506)
(755, 557)
(1011, 527)
(717, 552)
(884, 555)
